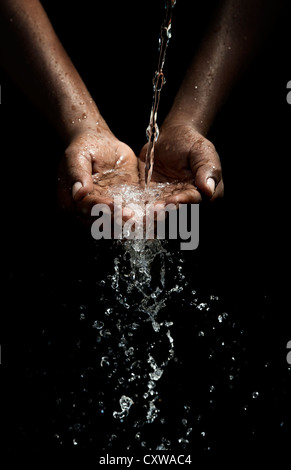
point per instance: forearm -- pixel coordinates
(33, 56)
(232, 40)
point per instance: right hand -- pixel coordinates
(93, 163)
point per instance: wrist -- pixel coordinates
(185, 118)
(83, 121)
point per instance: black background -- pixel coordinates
(244, 239)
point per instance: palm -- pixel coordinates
(184, 159)
(113, 164)
(103, 161)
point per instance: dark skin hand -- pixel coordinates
(94, 159)
(100, 161)
(189, 161)
(183, 155)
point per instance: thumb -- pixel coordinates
(79, 174)
(206, 169)
(207, 179)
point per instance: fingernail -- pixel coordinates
(78, 185)
(211, 184)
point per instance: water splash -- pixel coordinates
(140, 335)
(125, 405)
(140, 283)
(139, 200)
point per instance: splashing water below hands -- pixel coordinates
(140, 288)
(138, 330)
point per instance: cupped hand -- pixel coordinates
(187, 160)
(92, 164)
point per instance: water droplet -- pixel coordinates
(151, 384)
(105, 333)
(202, 306)
(189, 430)
(98, 325)
(156, 374)
(129, 352)
(214, 297)
(152, 412)
(182, 440)
(105, 361)
(108, 311)
(125, 405)
(156, 326)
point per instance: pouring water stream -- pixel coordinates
(137, 279)
(158, 82)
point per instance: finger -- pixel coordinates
(79, 174)
(207, 178)
(84, 206)
(187, 196)
(219, 191)
(205, 164)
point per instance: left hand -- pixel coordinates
(189, 161)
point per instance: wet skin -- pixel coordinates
(182, 157)
(189, 161)
(94, 159)
(100, 161)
